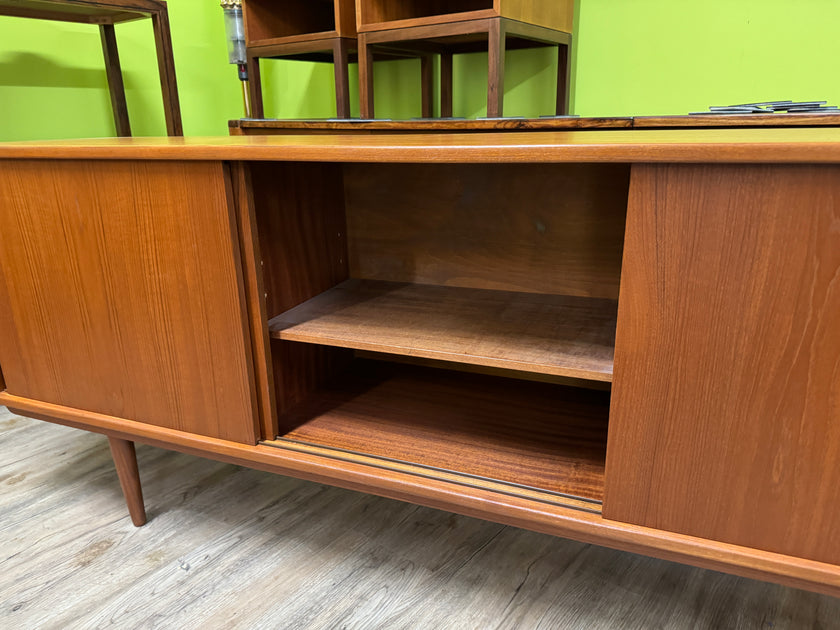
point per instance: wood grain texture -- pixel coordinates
(256, 127)
(300, 220)
(125, 461)
(771, 146)
(427, 472)
(545, 518)
(345, 17)
(341, 72)
(728, 347)
(532, 434)
(545, 334)
(557, 14)
(315, 556)
(367, 105)
(496, 54)
(529, 228)
(103, 311)
(740, 120)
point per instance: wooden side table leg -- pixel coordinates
(255, 87)
(365, 78)
(115, 79)
(125, 461)
(446, 85)
(496, 70)
(341, 52)
(427, 89)
(166, 68)
(563, 79)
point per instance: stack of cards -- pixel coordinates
(772, 107)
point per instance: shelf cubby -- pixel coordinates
(272, 22)
(374, 15)
(431, 318)
(524, 438)
(379, 14)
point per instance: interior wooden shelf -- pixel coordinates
(429, 20)
(544, 334)
(293, 39)
(529, 435)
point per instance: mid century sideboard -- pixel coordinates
(624, 337)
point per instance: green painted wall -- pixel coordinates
(639, 57)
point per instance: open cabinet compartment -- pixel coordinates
(270, 21)
(376, 14)
(455, 319)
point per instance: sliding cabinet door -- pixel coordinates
(121, 293)
(725, 419)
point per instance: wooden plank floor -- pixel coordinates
(228, 547)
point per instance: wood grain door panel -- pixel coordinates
(725, 419)
(121, 293)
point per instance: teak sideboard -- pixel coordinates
(624, 337)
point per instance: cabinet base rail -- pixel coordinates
(441, 494)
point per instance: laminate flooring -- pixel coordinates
(228, 547)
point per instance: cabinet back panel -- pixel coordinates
(374, 11)
(299, 211)
(266, 19)
(541, 228)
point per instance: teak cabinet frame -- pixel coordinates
(453, 348)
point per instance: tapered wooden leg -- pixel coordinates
(341, 53)
(563, 79)
(496, 70)
(125, 461)
(446, 85)
(255, 86)
(115, 79)
(166, 68)
(365, 78)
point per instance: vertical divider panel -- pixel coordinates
(242, 199)
(725, 415)
(301, 223)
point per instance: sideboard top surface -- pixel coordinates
(817, 145)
